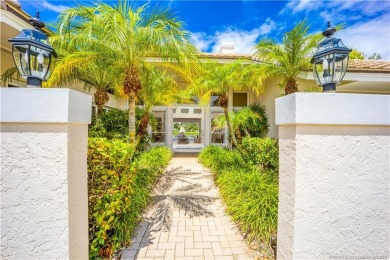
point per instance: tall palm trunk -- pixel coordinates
(131, 85)
(291, 87)
(132, 118)
(101, 98)
(223, 102)
(230, 128)
(143, 126)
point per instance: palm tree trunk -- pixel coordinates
(143, 126)
(132, 118)
(224, 102)
(230, 128)
(131, 86)
(291, 87)
(101, 98)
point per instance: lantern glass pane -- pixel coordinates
(20, 53)
(324, 69)
(51, 66)
(341, 61)
(39, 62)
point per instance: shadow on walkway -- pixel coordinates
(187, 219)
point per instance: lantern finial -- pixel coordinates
(38, 24)
(329, 31)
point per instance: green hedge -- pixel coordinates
(249, 192)
(119, 186)
(263, 152)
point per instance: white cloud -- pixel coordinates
(369, 37)
(53, 7)
(363, 6)
(337, 6)
(267, 26)
(244, 41)
(301, 5)
(201, 41)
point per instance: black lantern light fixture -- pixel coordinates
(33, 55)
(330, 62)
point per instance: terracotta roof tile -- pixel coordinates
(369, 65)
(225, 56)
(354, 65)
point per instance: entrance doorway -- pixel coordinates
(187, 134)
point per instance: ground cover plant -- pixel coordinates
(119, 187)
(248, 184)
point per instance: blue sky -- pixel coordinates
(366, 22)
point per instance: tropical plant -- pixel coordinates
(375, 56)
(356, 55)
(218, 79)
(132, 36)
(10, 75)
(90, 69)
(258, 127)
(249, 192)
(239, 120)
(290, 57)
(119, 189)
(158, 89)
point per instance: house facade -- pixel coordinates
(363, 76)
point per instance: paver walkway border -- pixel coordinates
(188, 219)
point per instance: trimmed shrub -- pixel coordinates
(249, 192)
(114, 190)
(263, 152)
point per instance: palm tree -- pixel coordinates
(159, 89)
(133, 36)
(260, 126)
(217, 80)
(240, 120)
(89, 68)
(290, 57)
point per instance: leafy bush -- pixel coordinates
(252, 201)
(263, 152)
(113, 124)
(217, 158)
(116, 122)
(259, 127)
(114, 187)
(250, 192)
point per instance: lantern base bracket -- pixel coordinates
(34, 82)
(330, 87)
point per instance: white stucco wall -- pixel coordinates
(334, 193)
(44, 193)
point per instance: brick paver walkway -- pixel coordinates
(188, 219)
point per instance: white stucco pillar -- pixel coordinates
(206, 126)
(169, 127)
(334, 195)
(44, 193)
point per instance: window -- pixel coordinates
(214, 101)
(240, 99)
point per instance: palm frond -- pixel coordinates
(11, 74)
